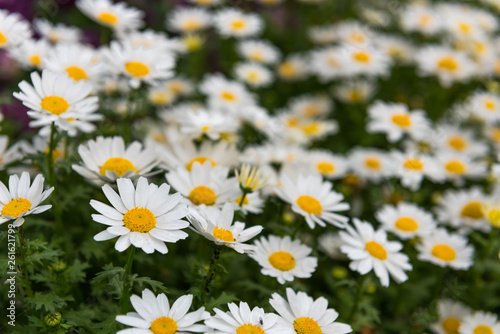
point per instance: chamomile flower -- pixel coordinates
(232, 22)
(218, 227)
(302, 314)
(406, 220)
(107, 159)
(395, 120)
(411, 167)
(446, 250)
(250, 178)
(314, 199)
(204, 184)
(458, 166)
(56, 98)
(461, 141)
(8, 154)
(58, 33)
(370, 164)
(145, 216)
(254, 75)
(117, 16)
(189, 20)
(293, 68)
(311, 106)
(242, 319)
(485, 106)
(329, 165)
(365, 61)
(451, 315)
(253, 203)
(370, 250)
(225, 94)
(328, 63)
(31, 53)
(22, 199)
(155, 315)
(213, 124)
(322, 35)
(420, 17)
(355, 91)
(258, 51)
(480, 322)
(13, 29)
(283, 258)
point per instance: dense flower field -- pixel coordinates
(250, 167)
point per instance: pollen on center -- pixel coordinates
(202, 195)
(139, 220)
(118, 165)
(282, 260)
(309, 204)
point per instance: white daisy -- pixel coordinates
(154, 315)
(420, 17)
(254, 75)
(451, 315)
(217, 226)
(22, 199)
(31, 53)
(355, 91)
(189, 19)
(314, 199)
(310, 106)
(293, 68)
(232, 22)
(252, 203)
(283, 258)
(328, 63)
(371, 164)
(365, 61)
(258, 51)
(145, 217)
(10, 154)
(224, 94)
(446, 250)
(411, 167)
(58, 33)
(370, 250)
(457, 167)
(195, 124)
(480, 323)
(452, 138)
(14, 30)
(117, 16)
(107, 159)
(406, 220)
(485, 106)
(301, 314)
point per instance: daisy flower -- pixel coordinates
(365, 61)
(250, 178)
(354, 33)
(323, 35)
(411, 168)
(139, 64)
(311, 106)
(355, 91)
(370, 164)
(293, 68)
(370, 250)
(446, 250)
(252, 203)
(328, 63)
(451, 315)
(395, 120)
(145, 217)
(461, 141)
(14, 30)
(302, 314)
(56, 98)
(31, 53)
(232, 22)
(420, 17)
(314, 199)
(224, 94)
(406, 220)
(8, 155)
(189, 19)
(107, 159)
(116, 16)
(155, 315)
(485, 106)
(22, 199)
(204, 184)
(254, 75)
(283, 258)
(242, 319)
(214, 124)
(217, 226)
(457, 167)
(258, 51)
(480, 323)
(58, 33)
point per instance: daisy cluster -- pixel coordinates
(316, 148)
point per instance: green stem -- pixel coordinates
(211, 270)
(489, 246)
(124, 299)
(50, 154)
(22, 262)
(242, 199)
(357, 298)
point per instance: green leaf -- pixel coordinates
(48, 301)
(223, 299)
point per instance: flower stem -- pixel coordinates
(357, 298)
(211, 270)
(489, 245)
(22, 262)
(124, 299)
(50, 154)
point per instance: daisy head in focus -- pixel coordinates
(395, 120)
(116, 16)
(302, 314)
(480, 322)
(241, 319)
(283, 258)
(314, 199)
(451, 315)
(57, 98)
(145, 216)
(446, 249)
(107, 159)
(232, 22)
(406, 220)
(370, 250)
(154, 314)
(458, 167)
(22, 198)
(217, 226)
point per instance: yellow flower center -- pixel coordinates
(309, 204)
(35, 60)
(252, 77)
(358, 37)
(306, 325)
(424, 20)
(362, 57)
(406, 224)
(160, 98)
(413, 164)
(56, 154)
(402, 120)
(493, 216)
(455, 167)
(311, 128)
(490, 105)
(444, 252)
(107, 18)
(464, 27)
(238, 200)
(354, 95)
(281, 260)
(287, 69)
(373, 163)
(202, 195)
(77, 73)
(192, 42)
(191, 25)
(257, 56)
(3, 39)
(223, 234)
(448, 63)
(164, 325)
(495, 135)
(118, 165)
(376, 250)
(325, 167)
(200, 160)
(311, 110)
(205, 128)
(54, 104)
(15, 207)
(249, 329)
(228, 96)
(483, 329)
(137, 69)
(238, 24)
(473, 210)
(139, 220)
(451, 325)
(458, 143)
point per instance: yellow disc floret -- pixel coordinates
(107, 18)
(282, 260)
(472, 210)
(483, 329)
(223, 234)
(451, 325)
(306, 325)
(309, 204)
(139, 220)
(54, 104)
(202, 195)
(448, 63)
(137, 69)
(164, 325)
(16, 207)
(118, 165)
(455, 167)
(402, 120)
(249, 329)
(77, 73)
(200, 160)
(444, 252)
(406, 224)
(376, 250)
(325, 167)
(413, 164)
